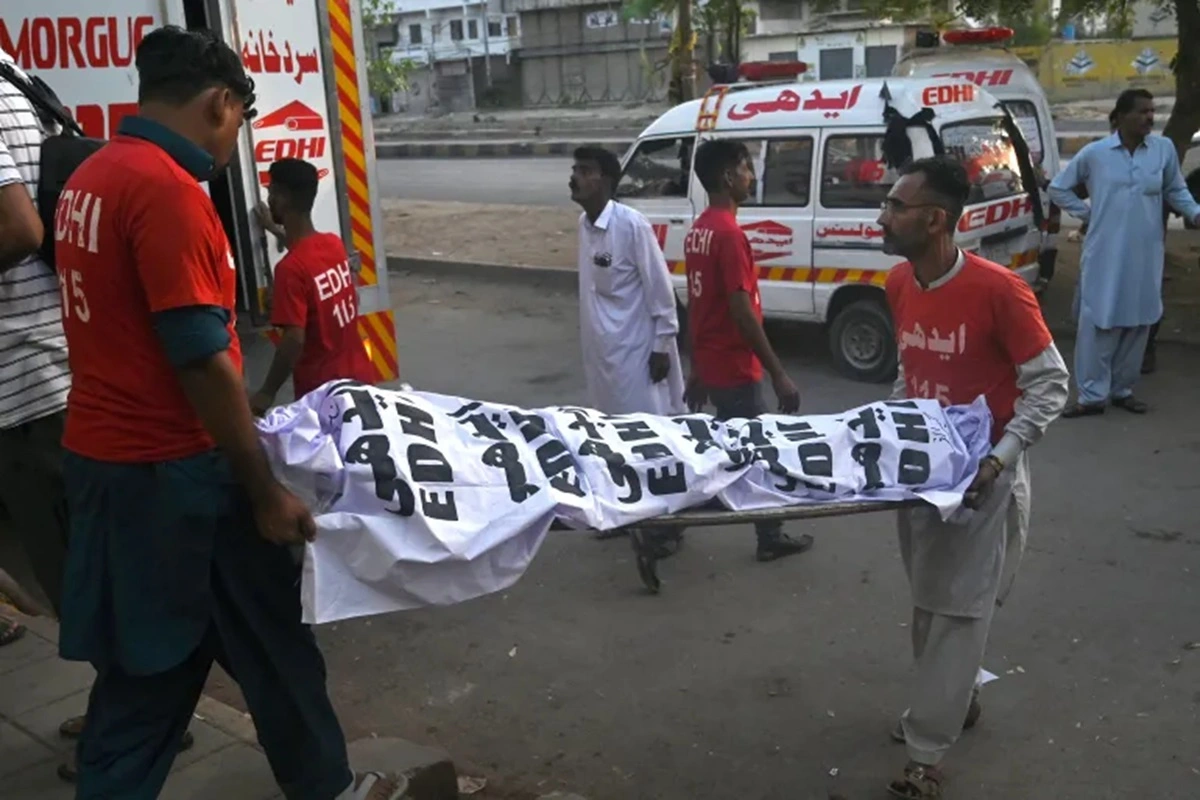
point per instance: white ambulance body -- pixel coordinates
(978, 56)
(821, 180)
(311, 99)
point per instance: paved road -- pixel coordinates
(746, 680)
(523, 181)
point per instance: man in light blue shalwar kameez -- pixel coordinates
(1127, 176)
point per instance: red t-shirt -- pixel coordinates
(719, 263)
(136, 234)
(967, 337)
(314, 290)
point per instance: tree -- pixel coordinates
(386, 75)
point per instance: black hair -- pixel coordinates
(298, 179)
(1127, 99)
(715, 157)
(606, 160)
(175, 65)
(945, 178)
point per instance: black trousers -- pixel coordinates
(747, 402)
(31, 491)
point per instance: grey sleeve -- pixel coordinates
(1044, 384)
(899, 388)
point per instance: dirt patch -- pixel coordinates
(539, 236)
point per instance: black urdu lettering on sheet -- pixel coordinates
(364, 407)
(867, 455)
(901, 403)
(504, 455)
(416, 421)
(798, 431)
(868, 420)
(553, 456)
(621, 473)
(531, 426)
(374, 450)
(669, 479)
(911, 427)
(484, 427)
(816, 461)
(699, 433)
(915, 467)
(762, 450)
(634, 431)
(583, 422)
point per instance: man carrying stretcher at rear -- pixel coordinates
(999, 347)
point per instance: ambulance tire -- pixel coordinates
(862, 343)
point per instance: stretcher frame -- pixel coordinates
(647, 555)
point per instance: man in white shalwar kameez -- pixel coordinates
(627, 316)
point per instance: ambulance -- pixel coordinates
(822, 176)
(306, 58)
(978, 55)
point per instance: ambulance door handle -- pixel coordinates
(677, 221)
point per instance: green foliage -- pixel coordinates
(385, 75)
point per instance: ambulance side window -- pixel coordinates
(854, 174)
(787, 172)
(659, 168)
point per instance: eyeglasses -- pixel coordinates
(895, 206)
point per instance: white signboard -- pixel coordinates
(84, 52)
(280, 44)
(602, 19)
(423, 499)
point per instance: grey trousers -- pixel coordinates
(955, 572)
(746, 402)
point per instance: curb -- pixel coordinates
(566, 279)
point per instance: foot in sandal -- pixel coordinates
(376, 786)
(918, 782)
(10, 630)
(1130, 404)
(1083, 410)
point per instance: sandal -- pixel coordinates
(919, 782)
(1083, 410)
(379, 786)
(10, 630)
(1130, 404)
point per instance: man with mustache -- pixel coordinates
(992, 342)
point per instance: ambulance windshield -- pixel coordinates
(986, 150)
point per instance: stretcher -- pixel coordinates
(647, 537)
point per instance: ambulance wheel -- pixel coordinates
(862, 343)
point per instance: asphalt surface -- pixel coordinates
(765, 681)
(523, 181)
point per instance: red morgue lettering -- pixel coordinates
(943, 95)
(271, 150)
(995, 214)
(100, 122)
(75, 42)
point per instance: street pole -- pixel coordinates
(487, 35)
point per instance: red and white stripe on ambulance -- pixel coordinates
(66, 50)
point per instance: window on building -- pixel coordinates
(780, 9)
(880, 60)
(495, 30)
(456, 30)
(855, 175)
(472, 29)
(510, 26)
(837, 63)
(659, 168)
(782, 55)
(414, 34)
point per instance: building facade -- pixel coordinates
(463, 52)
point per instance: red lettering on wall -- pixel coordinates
(75, 42)
(101, 122)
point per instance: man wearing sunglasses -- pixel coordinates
(965, 327)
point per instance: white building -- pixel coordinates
(842, 41)
(461, 48)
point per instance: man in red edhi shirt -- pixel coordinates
(965, 327)
(180, 545)
(315, 303)
(729, 345)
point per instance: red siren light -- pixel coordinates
(771, 70)
(978, 35)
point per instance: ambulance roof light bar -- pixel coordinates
(756, 71)
(992, 35)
